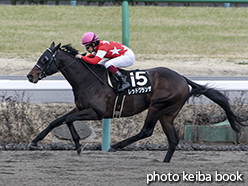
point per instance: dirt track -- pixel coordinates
(123, 168)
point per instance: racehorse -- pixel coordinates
(94, 98)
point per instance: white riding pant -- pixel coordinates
(122, 61)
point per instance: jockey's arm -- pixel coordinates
(90, 55)
(91, 59)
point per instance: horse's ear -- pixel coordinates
(57, 47)
(52, 45)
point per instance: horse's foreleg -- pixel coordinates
(173, 139)
(50, 127)
(75, 137)
(145, 132)
(86, 114)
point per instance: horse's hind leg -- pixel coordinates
(173, 139)
(145, 132)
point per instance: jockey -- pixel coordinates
(117, 56)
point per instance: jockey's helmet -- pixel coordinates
(89, 38)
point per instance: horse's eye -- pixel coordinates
(46, 59)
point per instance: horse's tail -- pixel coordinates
(219, 99)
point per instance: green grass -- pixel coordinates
(26, 31)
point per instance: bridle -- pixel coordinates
(49, 63)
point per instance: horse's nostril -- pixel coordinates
(30, 77)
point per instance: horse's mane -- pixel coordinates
(69, 49)
(72, 51)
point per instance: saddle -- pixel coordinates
(140, 84)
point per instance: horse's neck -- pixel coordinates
(74, 72)
(71, 69)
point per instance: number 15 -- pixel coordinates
(138, 76)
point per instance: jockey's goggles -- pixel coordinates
(88, 46)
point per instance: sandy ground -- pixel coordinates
(185, 66)
(126, 168)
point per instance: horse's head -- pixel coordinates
(47, 64)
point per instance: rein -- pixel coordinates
(67, 65)
(93, 72)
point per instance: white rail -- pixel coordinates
(46, 85)
(49, 85)
(226, 85)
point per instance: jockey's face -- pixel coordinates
(89, 48)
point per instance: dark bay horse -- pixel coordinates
(94, 98)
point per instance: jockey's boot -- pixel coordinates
(123, 83)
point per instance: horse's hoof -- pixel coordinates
(33, 146)
(111, 149)
(79, 150)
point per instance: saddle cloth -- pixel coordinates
(138, 79)
(140, 84)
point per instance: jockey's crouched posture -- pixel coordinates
(117, 56)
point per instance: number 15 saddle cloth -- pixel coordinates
(140, 84)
